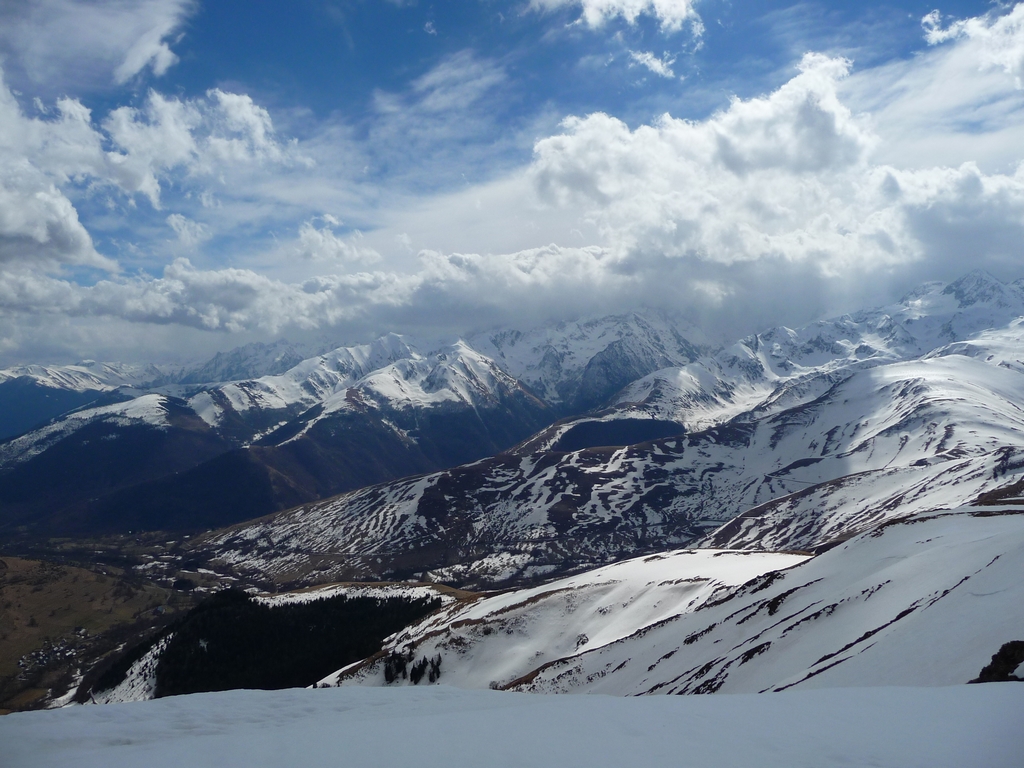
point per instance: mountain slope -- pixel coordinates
(31, 395)
(925, 600)
(497, 639)
(349, 418)
(51, 478)
(884, 442)
(578, 366)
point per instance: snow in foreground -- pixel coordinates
(976, 725)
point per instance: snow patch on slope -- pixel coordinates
(495, 640)
(139, 683)
(922, 601)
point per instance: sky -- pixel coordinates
(179, 177)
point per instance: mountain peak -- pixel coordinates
(981, 287)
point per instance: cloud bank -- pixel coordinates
(774, 209)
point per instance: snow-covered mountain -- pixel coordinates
(33, 394)
(881, 442)
(491, 641)
(855, 409)
(354, 416)
(776, 369)
(818, 446)
(249, 361)
(60, 476)
(340, 421)
(577, 366)
(922, 601)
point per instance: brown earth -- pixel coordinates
(59, 621)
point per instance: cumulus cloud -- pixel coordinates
(760, 178)
(774, 209)
(320, 243)
(661, 67)
(48, 161)
(38, 223)
(197, 136)
(672, 14)
(57, 43)
(213, 300)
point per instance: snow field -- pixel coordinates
(497, 639)
(440, 727)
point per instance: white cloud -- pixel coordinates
(320, 243)
(198, 136)
(85, 43)
(46, 162)
(999, 38)
(672, 14)
(787, 177)
(191, 234)
(446, 119)
(774, 209)
(959, 101)
(38, 223)
(768, 176)
(661, 67)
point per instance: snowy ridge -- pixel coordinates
(923, 601)
(315, 379)
(148, 410)
(573, 360)
(935, 315)
(455, 376)
(495, 640)
(782, 367)
(89, 375)
(249, 361)
(139, 683)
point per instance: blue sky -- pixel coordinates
(179, 177)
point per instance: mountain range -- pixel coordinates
(518, 453)
(167, 453)
(832, 505)
(790, 439)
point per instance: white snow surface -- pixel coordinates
(442, 727)
(495, 640)
(922, 601)
(925, 601)
(317, 378)
(551, 357)
(780, 367)
(848, 452)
